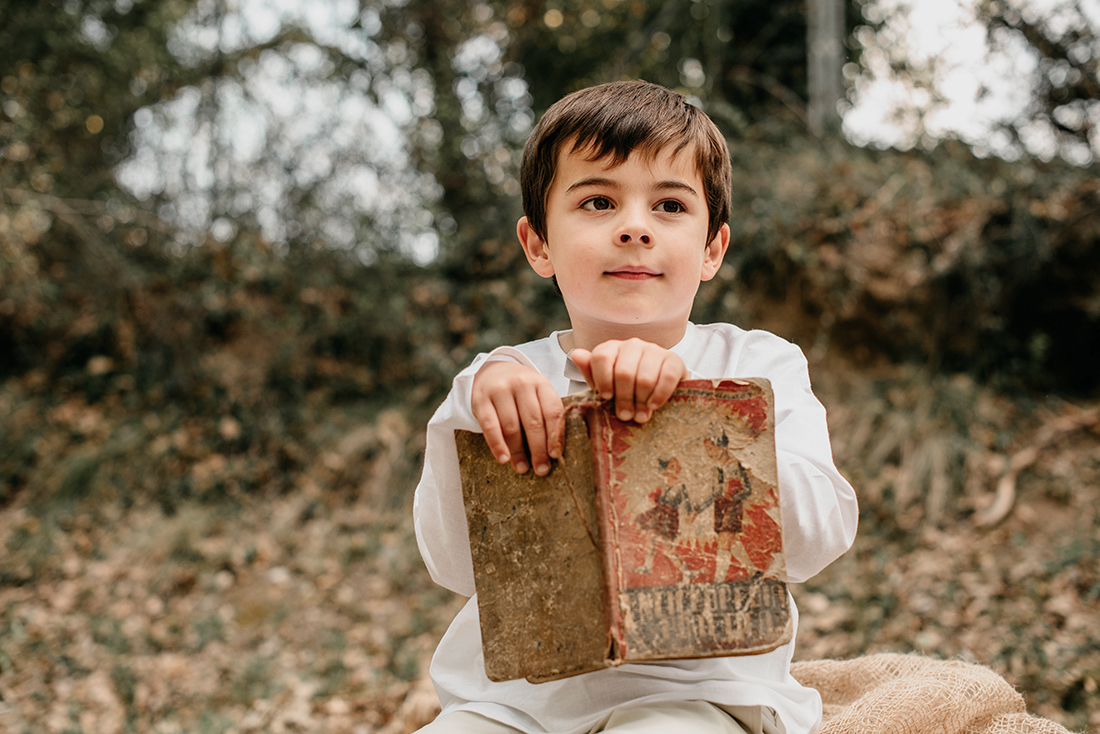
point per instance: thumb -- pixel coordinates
(583, 359)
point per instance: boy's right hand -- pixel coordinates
(516, 405)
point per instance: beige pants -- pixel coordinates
(666, 717)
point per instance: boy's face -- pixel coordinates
(628, 245)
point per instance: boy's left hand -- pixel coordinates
(640, 375)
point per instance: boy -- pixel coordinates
(626, 191)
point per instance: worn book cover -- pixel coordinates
(647, 541)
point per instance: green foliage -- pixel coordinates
(963, 265)
(72, 80)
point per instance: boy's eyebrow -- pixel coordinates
(591, 181)
(676, 185)
(661, 185)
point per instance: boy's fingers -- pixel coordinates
(534, 429)
(672, 371)
(495, 440)
(520, 414)
(583, 359)
(484, 404)
(640, 376)
(503, 450)
(627, 362)
(511, 426)
(487, 418)
(650, 365)
(602, 367)
(553, 411)
(542, 426)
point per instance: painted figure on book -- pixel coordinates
(664, 518)
(674, 506)
(727, 505)
(662, 521)
(692, 506)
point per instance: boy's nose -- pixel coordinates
(634, 225)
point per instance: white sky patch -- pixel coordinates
(940, 38)
(972, 88)
(241, 146)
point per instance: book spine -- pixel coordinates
(599, 430)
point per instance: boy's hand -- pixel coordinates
(515, 404)
(640, 375)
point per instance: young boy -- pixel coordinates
(626, 190)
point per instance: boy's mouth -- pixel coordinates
(631, 272)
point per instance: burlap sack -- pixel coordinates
(910, 694)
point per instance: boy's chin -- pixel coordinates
(620, 326)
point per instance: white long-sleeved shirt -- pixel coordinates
(819, 524)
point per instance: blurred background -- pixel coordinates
(246, 244)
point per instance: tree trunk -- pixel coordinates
(825, 57)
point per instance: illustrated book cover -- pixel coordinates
(653, 541)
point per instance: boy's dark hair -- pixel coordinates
(614, 120)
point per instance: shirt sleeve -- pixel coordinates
(819, 506)
(439, 516)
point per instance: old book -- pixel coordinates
(644, 542)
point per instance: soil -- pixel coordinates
(309, 610)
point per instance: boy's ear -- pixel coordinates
(534, 247)
(715, 251)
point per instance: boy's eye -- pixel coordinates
(671, 207)
(597, 203)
